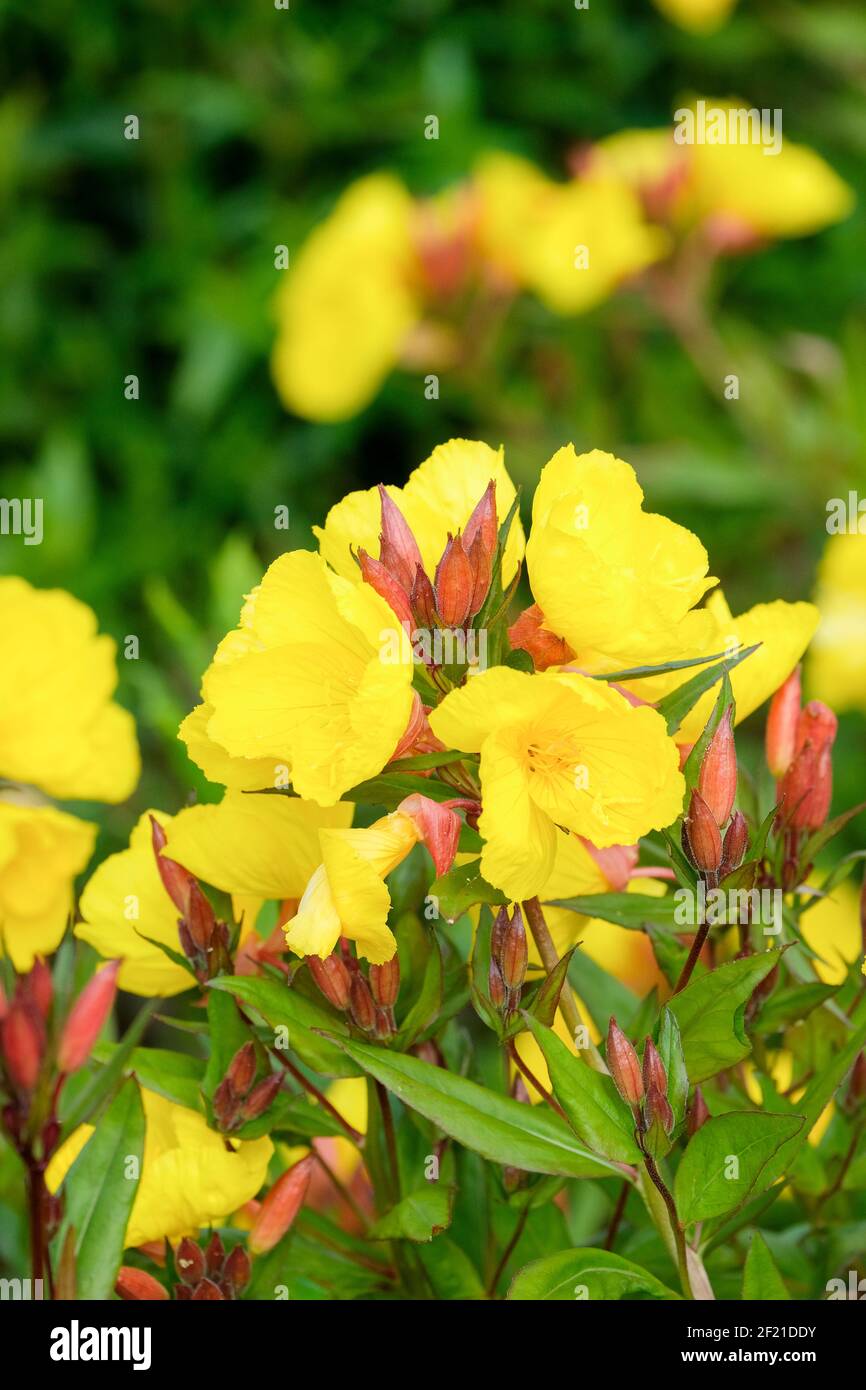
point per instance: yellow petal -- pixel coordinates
(244, 774)
(42, 850)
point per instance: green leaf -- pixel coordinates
(287, 1008)
(670, 1048)
(419, 1216)
(463, 887)
(761, 1278)
(425, 1008)
(175, 1075)
(580, 1274)
(544, 1003)
(725, 1161)
(422, 762)
(710, 1011)
(596, 1112)
(790, 1005)
(500, 1129)
(228, 1032)
(99, 1192)
(640, 672)
(632, 910)
(390, 788)
(675, 706)
(451, 1273)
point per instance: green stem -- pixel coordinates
(676, 1228)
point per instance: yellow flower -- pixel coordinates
(254, 847)
(347, 896)
(837, 667)
(41, 852)
(308, 682)
(791, 193)
(348, 303)
(189, 1177)
(619, 585)
(439, 497)
(570, 243)
(61, 735)
(832, 929)
(558, 749)
(698, 16)
(60, 729)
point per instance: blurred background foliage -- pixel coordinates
(156, 257)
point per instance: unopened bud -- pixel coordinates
(38, 987)
(385, 982)
(513, 956)
(734, 844)
(623, 1065)
(176, 880)
(208, 1291)
(226, 1106)
(23, 1038)
(423, 601)
(781, 734)
(87, 1018)
(528, 633)
(717, 779)
(280, 1207)
(261, 1096)
(658, 1122)
(398, 549)
(653, 1070)
(387, 586)
(496, 986)
(333, 979)
(200, 918)
(214, 1256)
(702, 833)
(242, 1069)
(698, 1113)
(454, 583)
(361, 1005)
(857, 1083)
(137, 1286)
(237, 1271)
(189, 1261)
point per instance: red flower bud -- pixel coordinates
(654, 1073)
(734, 844)
(717, 779)
(189, 1262)
(514, 955)
(200, 918)
(702, 833)
(361, 1004)
(482, 525)
(454, 583)
(23, 1039)
(496, 986)
(423, 600)
(175, 879)
(136, 1285)
(817, 725)
(781, 734)
(226, 1105)
(437, 824)
(385, 982)
(332, 977)
(214, 1256)
(87, 1018)
(698, 1113)
(280, 1207)
(207, 1291)
(623, 1065)
(261, 1097)
(242, 1069)
(657, 1110)
(387, 586)
(236, 1272)
(398, 549)
(38, 987)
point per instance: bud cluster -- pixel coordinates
(799, 748)
(204, 940)
(238, 1097)
(508, 959)
(369, 1000)
(463, 574)
(203, 1275)
(644, 1088)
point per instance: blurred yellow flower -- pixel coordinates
(190, 1177)
(570, 243)
(347, 895)
(836, 670)
(304, 681)
(61, 735)
(558, 749)
(832, 929)
(698, 16)
(348, 303)
(439, 497)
